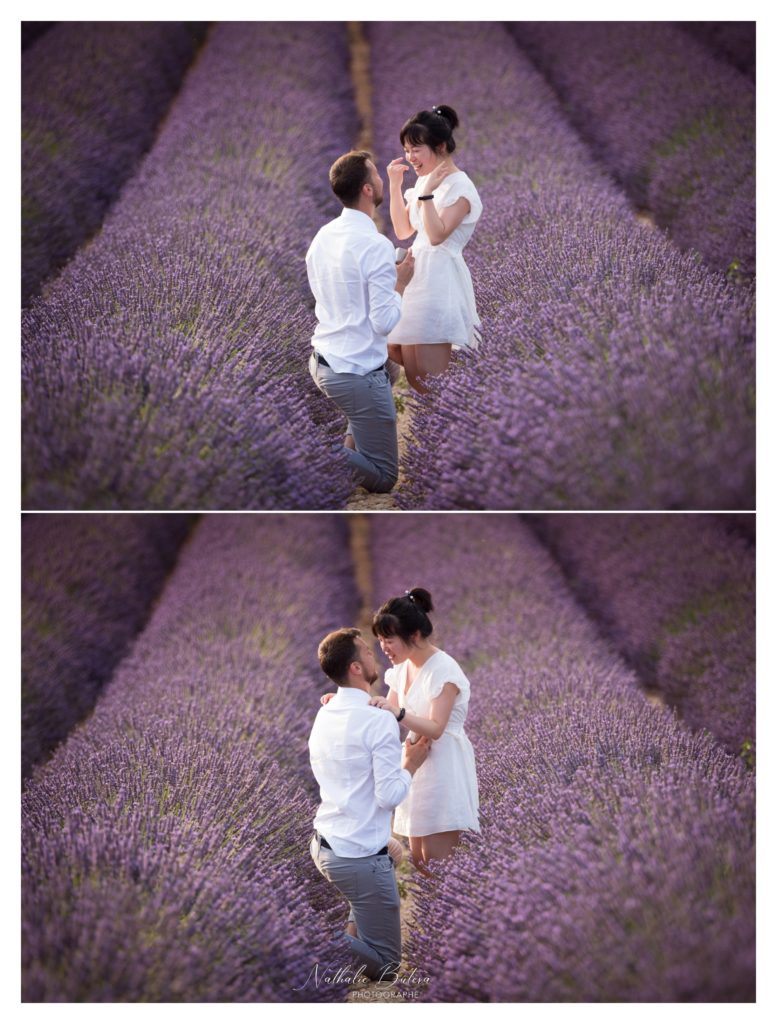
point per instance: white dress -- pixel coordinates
(444, 792)
(439, 303)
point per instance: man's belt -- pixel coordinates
(323, 362)
(326, 846)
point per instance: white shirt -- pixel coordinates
(356, 758)
(353, 277)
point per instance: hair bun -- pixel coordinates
(449, 114)
(422, 598)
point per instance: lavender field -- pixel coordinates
(165, 840)
(164, 367)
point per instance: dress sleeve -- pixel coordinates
(448, 671)
(464, 188)
(410, 194)
(390, 678)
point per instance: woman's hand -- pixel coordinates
(326, 698)
(396, 171)
(436, 177)
(383, 703)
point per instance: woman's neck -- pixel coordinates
(421, 653)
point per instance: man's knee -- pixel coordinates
(385, 484)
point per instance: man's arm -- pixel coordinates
(385, 285)
(392, 782)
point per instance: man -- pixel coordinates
(363, 773)
(358, 290)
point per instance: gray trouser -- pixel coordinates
(372, 420)
(369, 885)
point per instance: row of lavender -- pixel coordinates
(615, 371)
(676, 595)
(87, 589)
(733, 41)
(32, 30)
(165, 844)
(616, 859)
(92, 97)
(166, 367)
(675, 126)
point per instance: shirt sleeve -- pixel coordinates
(392, 782)
(385, 302)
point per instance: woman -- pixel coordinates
(438, 307)
(429, 695)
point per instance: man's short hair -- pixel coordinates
(349, 174)
(336, 652)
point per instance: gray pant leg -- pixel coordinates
(372, 420)
(369, 885)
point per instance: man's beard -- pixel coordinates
(370, 679)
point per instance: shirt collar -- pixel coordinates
(349, 695)
(358, 217)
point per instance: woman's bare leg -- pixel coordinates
(417, 854)
(395, 354)
(439, 845)
(411, 368)
(424, 360)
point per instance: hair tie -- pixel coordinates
(409, 595)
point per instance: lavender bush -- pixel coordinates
(676, 595)
(616, 859)
(673, 124)
(32, 30)
(93, 94)
(166, 367)
(88, 584)
(615, 371)
(165, 843)
(733, 41)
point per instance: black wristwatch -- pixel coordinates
(401, 714)
(430, 196)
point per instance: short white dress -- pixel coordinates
(439, 302)
(444, 792)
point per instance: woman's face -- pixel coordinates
(422, 159)
(394, 648)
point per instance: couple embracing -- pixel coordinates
(365, 773)
(374, 312)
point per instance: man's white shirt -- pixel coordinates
(353, 278)
(356, 758)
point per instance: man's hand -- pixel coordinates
(383, 702)
(396, 171)
(405, 271)
(414, 754)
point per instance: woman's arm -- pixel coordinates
(440, 226)
(432, 727)
(400, 218)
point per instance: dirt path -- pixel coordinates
(359, 527)
(362, 500)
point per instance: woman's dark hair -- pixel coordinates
(348, 175)
(403, 616)
(430, 128)
(336, 652)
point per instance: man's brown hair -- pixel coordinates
(336, 652)
(349, 174)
